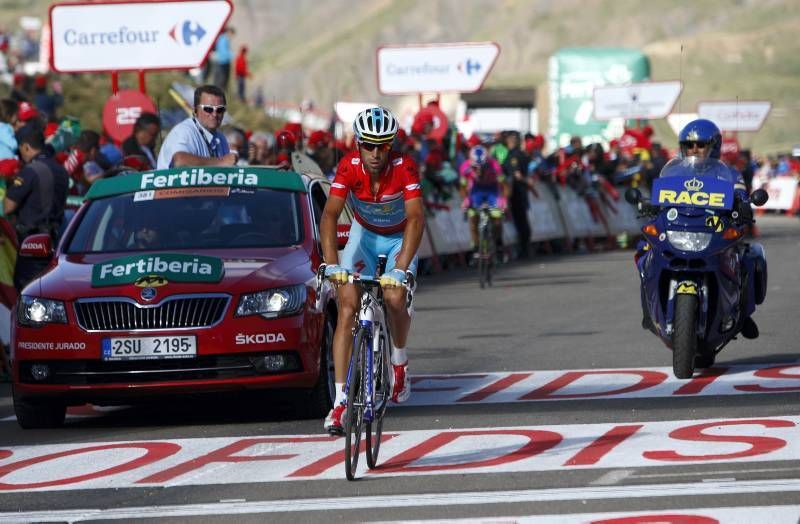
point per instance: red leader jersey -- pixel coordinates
(383, 212)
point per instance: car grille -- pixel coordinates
(208, 367)
(124, 314)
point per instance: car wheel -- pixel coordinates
(39, 414)
(323, 392)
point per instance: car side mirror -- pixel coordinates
(759, 197)
(633, 195)
(37, 246)
(342, 235)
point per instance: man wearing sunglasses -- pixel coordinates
(384, 191)
(197, 141)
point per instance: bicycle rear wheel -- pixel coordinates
(354, 421)
(382, 391)
(485, 256)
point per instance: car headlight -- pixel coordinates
(688, 240)
(35, 311)
(273, 303)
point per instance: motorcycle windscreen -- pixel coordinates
(694, 182)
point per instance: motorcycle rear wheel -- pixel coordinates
(684, 337)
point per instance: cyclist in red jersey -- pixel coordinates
(384, 191)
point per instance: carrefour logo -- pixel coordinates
(187, 32)
(469, 67)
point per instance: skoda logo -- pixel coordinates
(148, 293)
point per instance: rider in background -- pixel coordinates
(483, 182)
(383, 188)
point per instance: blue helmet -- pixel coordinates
(704, 131)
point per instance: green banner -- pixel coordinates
(573, 75)
(254, 177)
(162, 268)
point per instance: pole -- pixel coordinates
(142, 83)
(114, 82)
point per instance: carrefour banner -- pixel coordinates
(134, 35)
(574, 73)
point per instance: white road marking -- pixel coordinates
(416, 500)
(727, 515)
(579, 384)
(716, 472)
(258, 459)
(612, 477)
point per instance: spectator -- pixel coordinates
(35, 199)
(285, 144)
(319, 148)
(143, 140)
(28, 115)
(8, 116)
(223, 56)
(81, 164)
(260, 150)
(197, 141)
(515, 169)
(242, 73)
(46, 103)
(237, 141)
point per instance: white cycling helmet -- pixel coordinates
(376, 125)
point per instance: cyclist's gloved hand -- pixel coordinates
(393, 278)
(336, 273)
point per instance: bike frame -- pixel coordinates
(372, 315)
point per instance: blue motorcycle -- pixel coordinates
(700, 281)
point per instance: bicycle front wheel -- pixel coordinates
(381, 391)
(356, 402)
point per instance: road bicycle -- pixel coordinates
(368, 384)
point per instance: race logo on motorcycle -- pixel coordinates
(680, 191)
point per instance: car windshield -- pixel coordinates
(189, 218)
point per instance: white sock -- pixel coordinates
(339, 394)
(399, 355)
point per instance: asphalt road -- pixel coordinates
(497, 427)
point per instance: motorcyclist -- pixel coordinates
(702, 140)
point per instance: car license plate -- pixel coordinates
(149, 348)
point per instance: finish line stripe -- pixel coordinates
(412, 500)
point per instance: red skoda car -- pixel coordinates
(177, 281)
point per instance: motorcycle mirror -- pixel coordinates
(759, 197)
(633, 195)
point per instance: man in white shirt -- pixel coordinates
(197, 141)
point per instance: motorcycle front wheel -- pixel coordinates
(684, 337)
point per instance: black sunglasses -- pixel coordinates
(691, 144)
(220, 110)
(372, 147)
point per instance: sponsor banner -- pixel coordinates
(174, 267)
(435, 68)
(585, 384)
(228, 460)
(574, 74)
(781, 190)
(252, 177)
(737, 515)
(134, 35)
